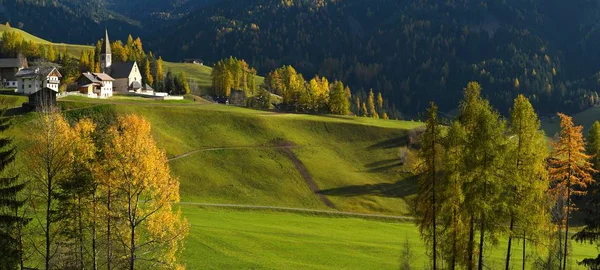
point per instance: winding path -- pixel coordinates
(301, 210)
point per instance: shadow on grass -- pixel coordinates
(391, 143)
(384, 165)
(399, 189)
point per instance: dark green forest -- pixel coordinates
(411, 51)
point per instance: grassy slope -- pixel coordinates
(346, 155)
(72, 50)
(269, 240)
(585, 118)
(336, 150)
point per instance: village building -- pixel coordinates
(8, 68)
(31, 80)
(96, 84)
(41, 100)
(127, 76)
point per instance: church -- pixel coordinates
(127, 76)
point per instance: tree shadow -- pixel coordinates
(399, 189)
(384, 165)
(391, 143)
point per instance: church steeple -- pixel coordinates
(106, 56)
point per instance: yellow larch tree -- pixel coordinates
(152, 231)
(570, 169)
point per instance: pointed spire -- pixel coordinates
(106, 49)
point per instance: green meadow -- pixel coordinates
(230, 155)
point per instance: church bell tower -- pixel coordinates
(106, 56)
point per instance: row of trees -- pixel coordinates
(485, 177)
(233, 74)
(371, 108)
(14, 44)
(316, 95)
(99, 194)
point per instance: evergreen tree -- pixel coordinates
(339, 100)
(527, 175)
(483, 159)
(428, 170)
(10, 202)
(371, 105)
(590, 204)
(570, 169)
(453, 237)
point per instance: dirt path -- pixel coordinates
(301, 210)
(310, 182)
(230, 148)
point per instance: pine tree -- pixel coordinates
(483, 158)
(590, 204)
(371, 105)
(527, 174)
(570, 169)
(339, 99)
(428, 170)
(452, 215)
(10, 203)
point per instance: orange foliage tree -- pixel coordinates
(570, 169)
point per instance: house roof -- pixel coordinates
(91, 77)
(121, 70)
(13, 63)
(103, 77)
(36, 71)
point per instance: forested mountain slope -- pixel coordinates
(413, 51)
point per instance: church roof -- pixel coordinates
(121, 70)
(106, 47)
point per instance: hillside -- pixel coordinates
(412, 51)
(225, 154)
(234, 155)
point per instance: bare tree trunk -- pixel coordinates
(454, 239)
(434, 203)
(524, 251)
(94, 248)
(471, 244)
(48, 220)
(512, 224)
(81, 245)
(567, 223)
(108, 243)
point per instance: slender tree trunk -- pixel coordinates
(482, 232)
(132, 259)
(20, 239)
(481, 242)
(524, 250)
(454, 239)
(434, 202)
(48, 221)
(567, 223)
(94, 248)
(512, 224)
(79, 216)
(108, 243)
(471, 244)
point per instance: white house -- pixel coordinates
(8, 68)
(96, 84)
(31, 80)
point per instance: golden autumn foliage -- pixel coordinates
(571, 166)
(145, 192)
